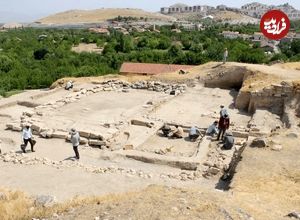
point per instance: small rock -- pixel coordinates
(259, 142)
(276, 147)
(149, 103)
(208, 164)
(294, 215)
(213, 170)
(292, 135)
(45, 201)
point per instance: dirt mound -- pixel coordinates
(99, 15)
(292, 65)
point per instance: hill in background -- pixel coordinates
(100, 15)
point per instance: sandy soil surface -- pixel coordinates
(92, 111)
(266, 186)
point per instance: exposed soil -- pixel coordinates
(265, 185)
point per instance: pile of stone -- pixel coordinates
(183, 176)
(215, 164)
(118, 85)
(219, 160)
(17, 158)
(24, 159)
(172, 89)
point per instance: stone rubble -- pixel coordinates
(218, 160)
(16, 158)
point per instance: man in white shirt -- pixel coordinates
(223, 111)
(213, 129)
(194, 133)
(69, 85)
(27, 137)
(75, 139)
(225, 56)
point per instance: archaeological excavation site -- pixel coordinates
(123, 149)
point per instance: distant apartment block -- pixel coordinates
(254, 9)
(257, 10)
(182, 8)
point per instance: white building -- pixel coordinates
(183, 8)
(230, 34)
(257, 10)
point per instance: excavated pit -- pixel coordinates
(252, 93)
(272, 107)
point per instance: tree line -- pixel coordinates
(35, 58)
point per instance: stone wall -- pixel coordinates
(88, 137)
(271, 98)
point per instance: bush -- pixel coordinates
(6, 63)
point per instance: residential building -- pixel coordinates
(230, 34)
(222, 7)
(257, 10)
(183, 8)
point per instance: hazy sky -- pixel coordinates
(32, 9)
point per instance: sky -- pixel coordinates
(30, 10)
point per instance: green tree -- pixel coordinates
(6, 63)
(295, 46)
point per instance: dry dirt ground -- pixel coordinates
(99, 15)
(266, 186)
(234, 17)
(105, 183)
(89, 48)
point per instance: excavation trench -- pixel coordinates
(255, 99)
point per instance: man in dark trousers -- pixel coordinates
(223, 126)
(27, 137)
(75, 139)
(166, 130)
(228, 141)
